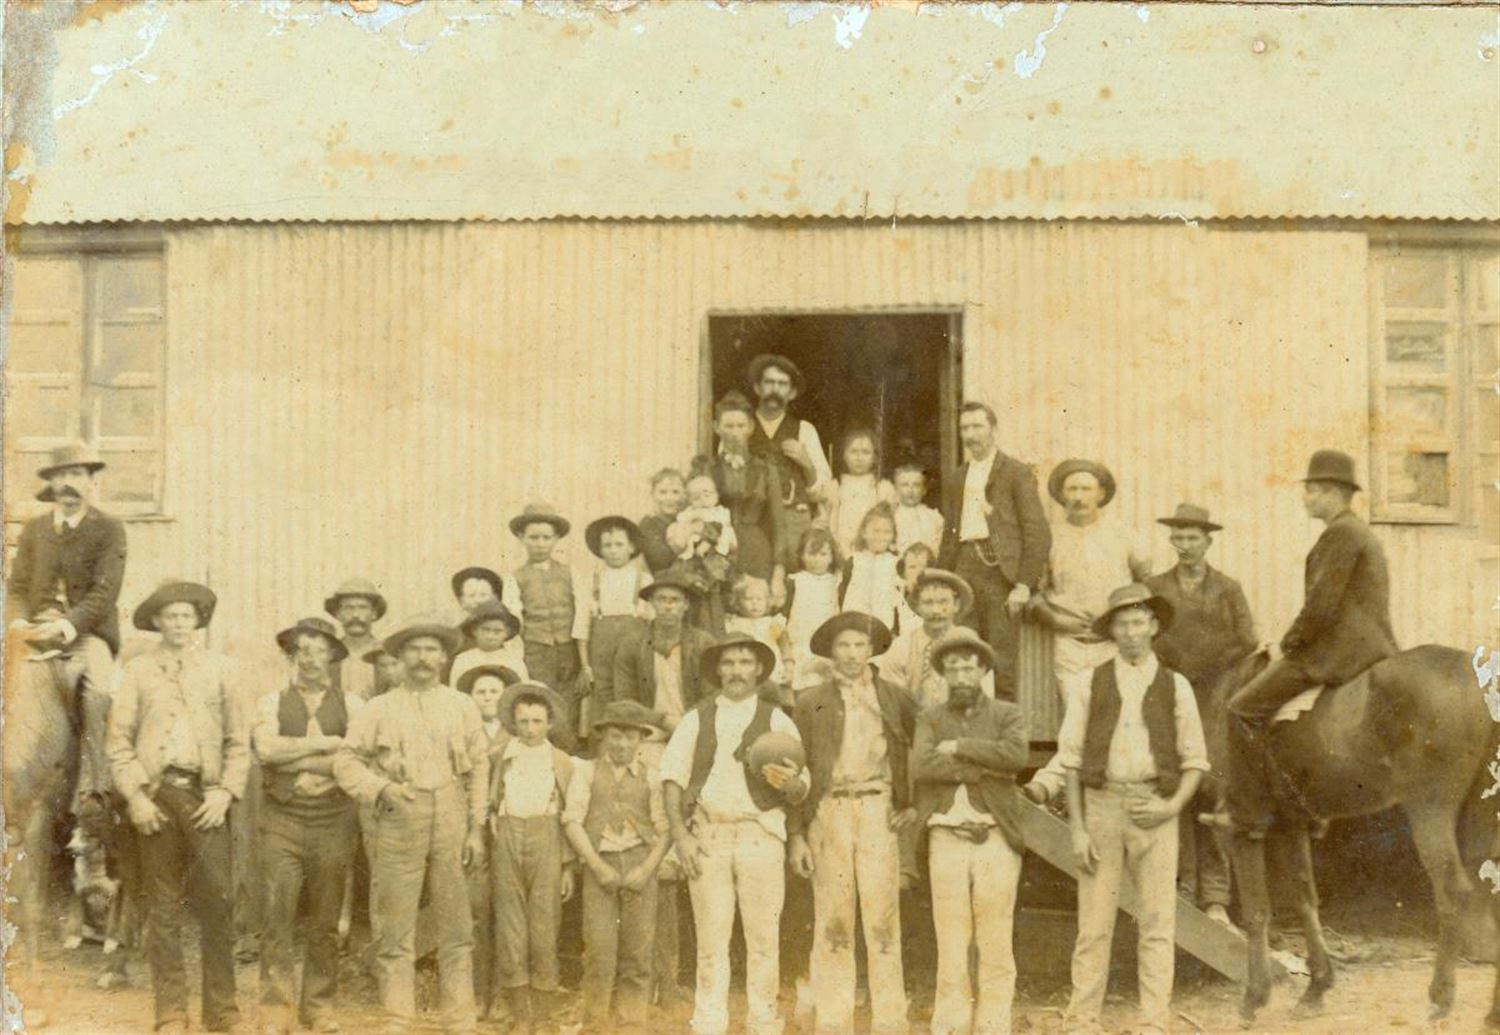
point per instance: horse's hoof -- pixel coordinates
(1438, 1011)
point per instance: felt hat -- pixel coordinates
(627, 714)
(506, 675)
(708, 664)
(874, 628)
(176, 592)
(72, 454)
(758, 366)
(1330, 465)
(374, 654)
(528, 687)
(534, 513)
(474, 571)
(1072, 466)
(1134, 595)
(287, 638)
(957, 583)
(423, 625)
(1190, 515)
(596, 529)
(962, 638)
(670, 580)
(356, 588)
(488, 612)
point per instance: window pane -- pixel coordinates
(127, 284)
(1416, 413)
(1417, 478)
(127, 348)
(1416, 281)
(1418, 345)
(127, 412)
(45, 348)
(130, 477)
(41, 411)
(49, 282)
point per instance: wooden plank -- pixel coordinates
(1222, 948)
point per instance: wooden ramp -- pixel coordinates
(1220, 947)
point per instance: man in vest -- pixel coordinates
(64, 584)
(729, 827)
(1344, 627)
(308, 828)
(792, 444)
(357, 605)
(1133, 748)
(857, 730)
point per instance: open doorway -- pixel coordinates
(896, 373)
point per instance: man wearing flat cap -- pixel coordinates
(356, 605)
(418, 755)
(790, 443)
(1212, 631)
(1344, 627)
(308, 827)
(179, 754)
(64, 585)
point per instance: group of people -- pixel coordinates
(778, 672)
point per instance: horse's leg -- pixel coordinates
(1293, 865)
(1434, 829)
(1248, 857)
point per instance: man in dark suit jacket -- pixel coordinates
(995, 536)
(668, 644)
(1344, 627)
(64, 585)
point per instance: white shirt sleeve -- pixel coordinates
(781, 722)
(677, 757)
(808, 436)
(1191, 745)
(1074, 724)
(510, 595)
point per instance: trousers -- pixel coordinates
(526, 870)
(990, 615)
(973, 910)
(619, 945)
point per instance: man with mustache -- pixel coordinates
(64, 584)
(419, 756)
(357, 605)
(792, 444)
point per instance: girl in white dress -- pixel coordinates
(857, 490)
(750, 613)
(812, 599)
(871, 583)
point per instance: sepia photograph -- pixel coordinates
(565, 517)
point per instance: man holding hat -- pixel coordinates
(357, 605)
(856, 730)
(729, 825)
(1212, 631)
(1344, 627)
(968, 750)
(64, 584)
(419, 756)
(179, 756)
(1133, 748)
(308, 826)
(793, 445)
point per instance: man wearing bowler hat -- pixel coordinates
(64, 584)
(857, 731)
(1212, 631)
(789, 442)
(357, 605)
(1344, 627)
(419, 757)
(308, 826)
(179, 754)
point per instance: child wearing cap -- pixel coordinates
(493, 630)
(615, 821)
(614, 608)
(550, 612)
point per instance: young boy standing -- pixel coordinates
(1133, 748)
(916, 522)
(549, 612)
(615, 821)
(492, 629)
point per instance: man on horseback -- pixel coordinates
(64, 584)
(1344, 628)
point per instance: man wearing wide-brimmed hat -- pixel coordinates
(64, 586)
(179, 754)
(941, 597)
(552, 623)
(1092, 554)
(729, 826)
(1133, 747)
(857, 731)
(1212, 629)
(308, 827)
(1344, 627)
(418, 756)
(357, 605)
(792, 444)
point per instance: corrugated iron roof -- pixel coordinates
(461, 111)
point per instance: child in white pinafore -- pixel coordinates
(857, 490)
(812, 599)
(871, 584)
(750, 613)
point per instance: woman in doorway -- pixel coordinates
(751, 489)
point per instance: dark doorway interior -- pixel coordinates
(894, 373)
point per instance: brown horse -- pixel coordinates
(1416, 733)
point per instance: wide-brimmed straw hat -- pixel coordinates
(1134, 595)
(1190, 515)
(423, 625)
(356, 588)
(1061, 472)
(708, 663)
(539, 513)
(878, 632)
(287, 638)
(176, 591)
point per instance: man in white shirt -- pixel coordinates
(1133, 747)
(792, 444)
(729, 828)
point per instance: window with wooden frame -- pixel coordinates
(1435, 414)
(87, 352)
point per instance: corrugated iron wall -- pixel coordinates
(379, 399)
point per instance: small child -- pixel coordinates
(858, 489)
(915, 521)
(614, 609)
(549, 612)
(915, 559)
(493, 631)
(812, 599)
(530, 875)
(668, 496)
(750, 613)
(474, 585)
(871, 584)
(703, 515)
(616, 823)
